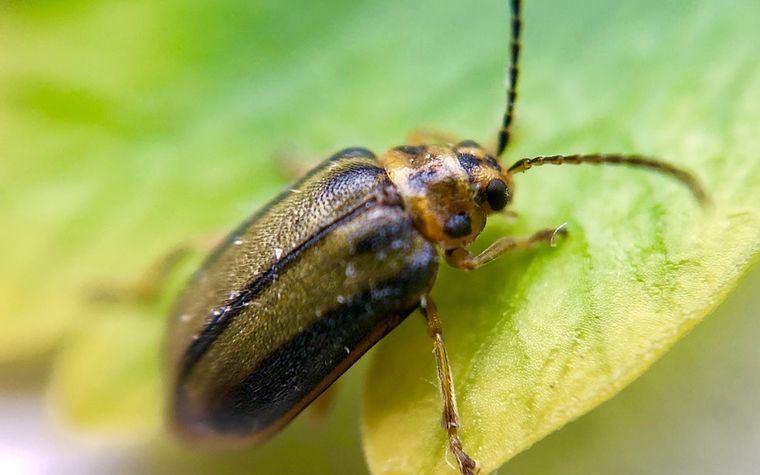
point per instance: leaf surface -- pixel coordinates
(128, 128)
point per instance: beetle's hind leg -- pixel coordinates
(321, 406)
(143, 289)
(450, 417)
(292, 163)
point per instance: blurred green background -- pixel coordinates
(127, 127)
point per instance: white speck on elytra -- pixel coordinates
(277, 252)
(238, 241)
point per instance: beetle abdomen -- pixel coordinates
(255, 353)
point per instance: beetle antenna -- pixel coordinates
(512, 73)
(629, 160)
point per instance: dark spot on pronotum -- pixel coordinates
(492, 162)
(420, 179)
(458, 225)
(496, 194)
(469, 162)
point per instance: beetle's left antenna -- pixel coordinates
(512, 73)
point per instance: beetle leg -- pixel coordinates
(462, 259)
(450, 417)
(152, 282)
(292, 164)
(320, 407)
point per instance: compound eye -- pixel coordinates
(496, 194)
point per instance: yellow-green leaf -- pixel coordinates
(539, 338)
(129, 127)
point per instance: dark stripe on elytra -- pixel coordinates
(345, 154)
(295, 368)
(222, 316)
(239, 230)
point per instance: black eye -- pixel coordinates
(458, 225)
(496, 194)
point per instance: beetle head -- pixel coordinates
(449, 190)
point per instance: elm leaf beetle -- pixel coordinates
(304, 287)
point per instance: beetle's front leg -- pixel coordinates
(450, 417)
(462, 259)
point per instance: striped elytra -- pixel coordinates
(293, 297)
(303, 288)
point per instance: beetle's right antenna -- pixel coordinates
(512, 73)
(615, 159)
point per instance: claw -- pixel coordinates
(560, 231)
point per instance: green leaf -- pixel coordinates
(540, 338)
(693, 412)
(127, 128)
(104, 381)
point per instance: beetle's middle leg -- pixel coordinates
(462, 259)
(151, 284)
(450, 417)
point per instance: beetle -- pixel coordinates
(305, 286)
